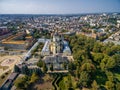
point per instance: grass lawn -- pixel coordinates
(4, 67)
(5, 77)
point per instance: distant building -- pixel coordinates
(114, 38)
(13, 42)
(4, 30)
(118, 23)
(2, 49)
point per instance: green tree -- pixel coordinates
(89, 67)
(34, 78)
(44, 68)
(40, 63)
(110, 76)
(16, 68)
(69, 82)
(94, 85)
(107, 63)
(78, 72)
(84, 79)
(65, 65)
(51, 67)
(22, 83)
(97, 57)
(110, 63)
(97, 47)
(116, 57)
(118, 86)
(102, 66)
(19, 83)
(110, 85)
(71, 66)
(25, 70)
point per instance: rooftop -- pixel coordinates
(12, 76)
(46, 46)
(13, 42)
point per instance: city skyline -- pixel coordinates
(58, 7)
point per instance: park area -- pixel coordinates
(8, 61)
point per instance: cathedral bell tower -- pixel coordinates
(57, 44)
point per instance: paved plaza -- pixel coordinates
(8, 62)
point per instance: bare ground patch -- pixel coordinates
(45, 83)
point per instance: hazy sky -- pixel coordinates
(58, 6)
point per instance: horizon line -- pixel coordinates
(56, 13)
